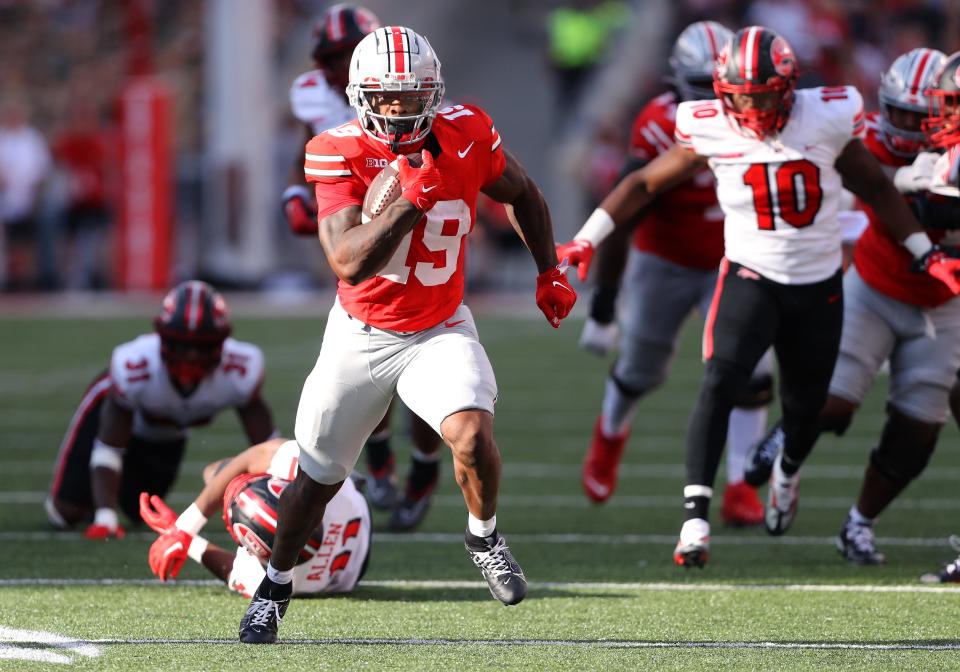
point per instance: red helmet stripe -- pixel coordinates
(743, 56)
(398, 50)
(712, 38)
(921, 69)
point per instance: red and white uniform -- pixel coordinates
(140, 383)
(685, 224)
(422, 284)
(780, 195)
(884, 263)
(316, 104)
(337, 566)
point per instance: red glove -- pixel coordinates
(555, 296)
(156, 513)
(578, 253)
(300, 210)
(168, 553)
(421, 186)
(944, 268)
(98, 532)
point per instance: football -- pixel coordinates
(385, 189)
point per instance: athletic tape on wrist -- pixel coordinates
(106, 456)
(197, 548)
(597, 227)
(918, 243)
(192, 520)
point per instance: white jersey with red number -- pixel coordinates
(337, 566)
(316, 104)
(780, 196)
(141, 384)
(684, 225)
(422, 284)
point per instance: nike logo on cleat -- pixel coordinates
(466, 151)
(597, 488)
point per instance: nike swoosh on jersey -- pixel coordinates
(453, 324)
(426, 189)
(466, 151)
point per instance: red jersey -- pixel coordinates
(422, 284)
(84, 156)
(881, 261)
(685, 224)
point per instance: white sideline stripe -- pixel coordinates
(578, 501)
(12, 638)
(540, 585)
(572, 643)
(573, 538)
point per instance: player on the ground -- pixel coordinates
(246, 488)
(780, 156)
(399, 326)
(892, 312)
(130, 431)
(318, 99)
(676, 248)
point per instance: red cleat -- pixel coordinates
(600, 466)
(741, 505)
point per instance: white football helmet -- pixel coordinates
(904, 86)
(395, 63)
(693, 56)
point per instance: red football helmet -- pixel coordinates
(758, 63)
(250, 505)
(335, 35)
(942, 125)
(193, 323)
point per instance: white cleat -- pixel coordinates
(693, 548)
(782, 498)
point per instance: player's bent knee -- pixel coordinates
(469, 435)
(837, 414)
(905, 447)
(64, 515)
(758, 393)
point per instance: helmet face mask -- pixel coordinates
(904, 100)
(193, 323)
(942, 125)
(760, 64)
(395, 86)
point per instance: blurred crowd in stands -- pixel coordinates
(63, 62)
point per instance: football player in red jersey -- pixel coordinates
(780, 156)
(676, 249)
(130, 431)
(246, 488)
(318, 99)
(399, 326)
(893, 313)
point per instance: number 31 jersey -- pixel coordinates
(422, 284)
(780, 196)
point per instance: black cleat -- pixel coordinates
(409, 513)
(950, 572)
(503, 574)
(760, 460)
(259, 625)
(856, 544)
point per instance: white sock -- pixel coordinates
(421, 456)
(617, 410)
(277, 576)
(481, 528)
(747, 427)
(858, 518)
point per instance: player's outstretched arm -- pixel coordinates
(863, 176)
(106, 468)
(627, 200)
(530, 217)
(357, 253)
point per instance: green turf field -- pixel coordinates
(604, 592)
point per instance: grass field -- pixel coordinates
(604, 592)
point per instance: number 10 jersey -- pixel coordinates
(780, 195)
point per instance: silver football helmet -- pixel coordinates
(395, 63)
(904, 86)
(693, 56)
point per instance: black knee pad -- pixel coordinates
(758, 393)
(627, 390)
(905, 447)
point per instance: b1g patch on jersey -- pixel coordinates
(372, 162)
